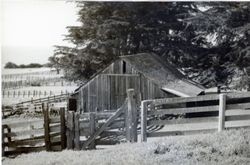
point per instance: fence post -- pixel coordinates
(92, 117)
(131, 117)
(3, 137)
(77, 131)
(46, 126)
(3, 146)
(63, 128)
(222, 109)
(144, 121)
(3, 110)
(70, 130)
(31, 128)
(31, 135)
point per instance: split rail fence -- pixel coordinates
(181, 116)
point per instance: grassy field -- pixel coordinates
(43, 82)
(228, 147)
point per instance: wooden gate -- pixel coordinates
(85, 131)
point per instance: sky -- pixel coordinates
(30, 28)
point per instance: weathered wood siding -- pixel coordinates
(107, 91)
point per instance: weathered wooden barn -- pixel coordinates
(146, 73)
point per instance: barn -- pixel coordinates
(146, 73)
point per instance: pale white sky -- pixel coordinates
(30, 28)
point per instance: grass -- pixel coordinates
(31, 74)
(227, 147)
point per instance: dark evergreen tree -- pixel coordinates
(209, 42)
(225, 28)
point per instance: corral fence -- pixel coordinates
(85, 131)
(35, 135)
(155, 118)
(36, 81)
(54, 98)
(182, 116)
(31, 93)
(33, 105)
(24, 75)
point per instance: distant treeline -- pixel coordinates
(11, 65)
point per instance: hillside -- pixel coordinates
(228, 147)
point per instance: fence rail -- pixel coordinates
(48, 99)
(35, 105)
(35, 82)
(22, 137)
(31, 93)
(190, 115)
(36, 135)
(21, 75)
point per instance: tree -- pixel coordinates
(202, 44)
(10, 65)
(31, 65)
(113, 29)
(229, 50)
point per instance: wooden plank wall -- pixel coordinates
(108, 89)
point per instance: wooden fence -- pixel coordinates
(34, 104)
(36, 135)
(35, 82)
(180, 116)
(30, 93)
(24, 75)
(159, 117)
(85, 131)
(55, 98)
(22, 137)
